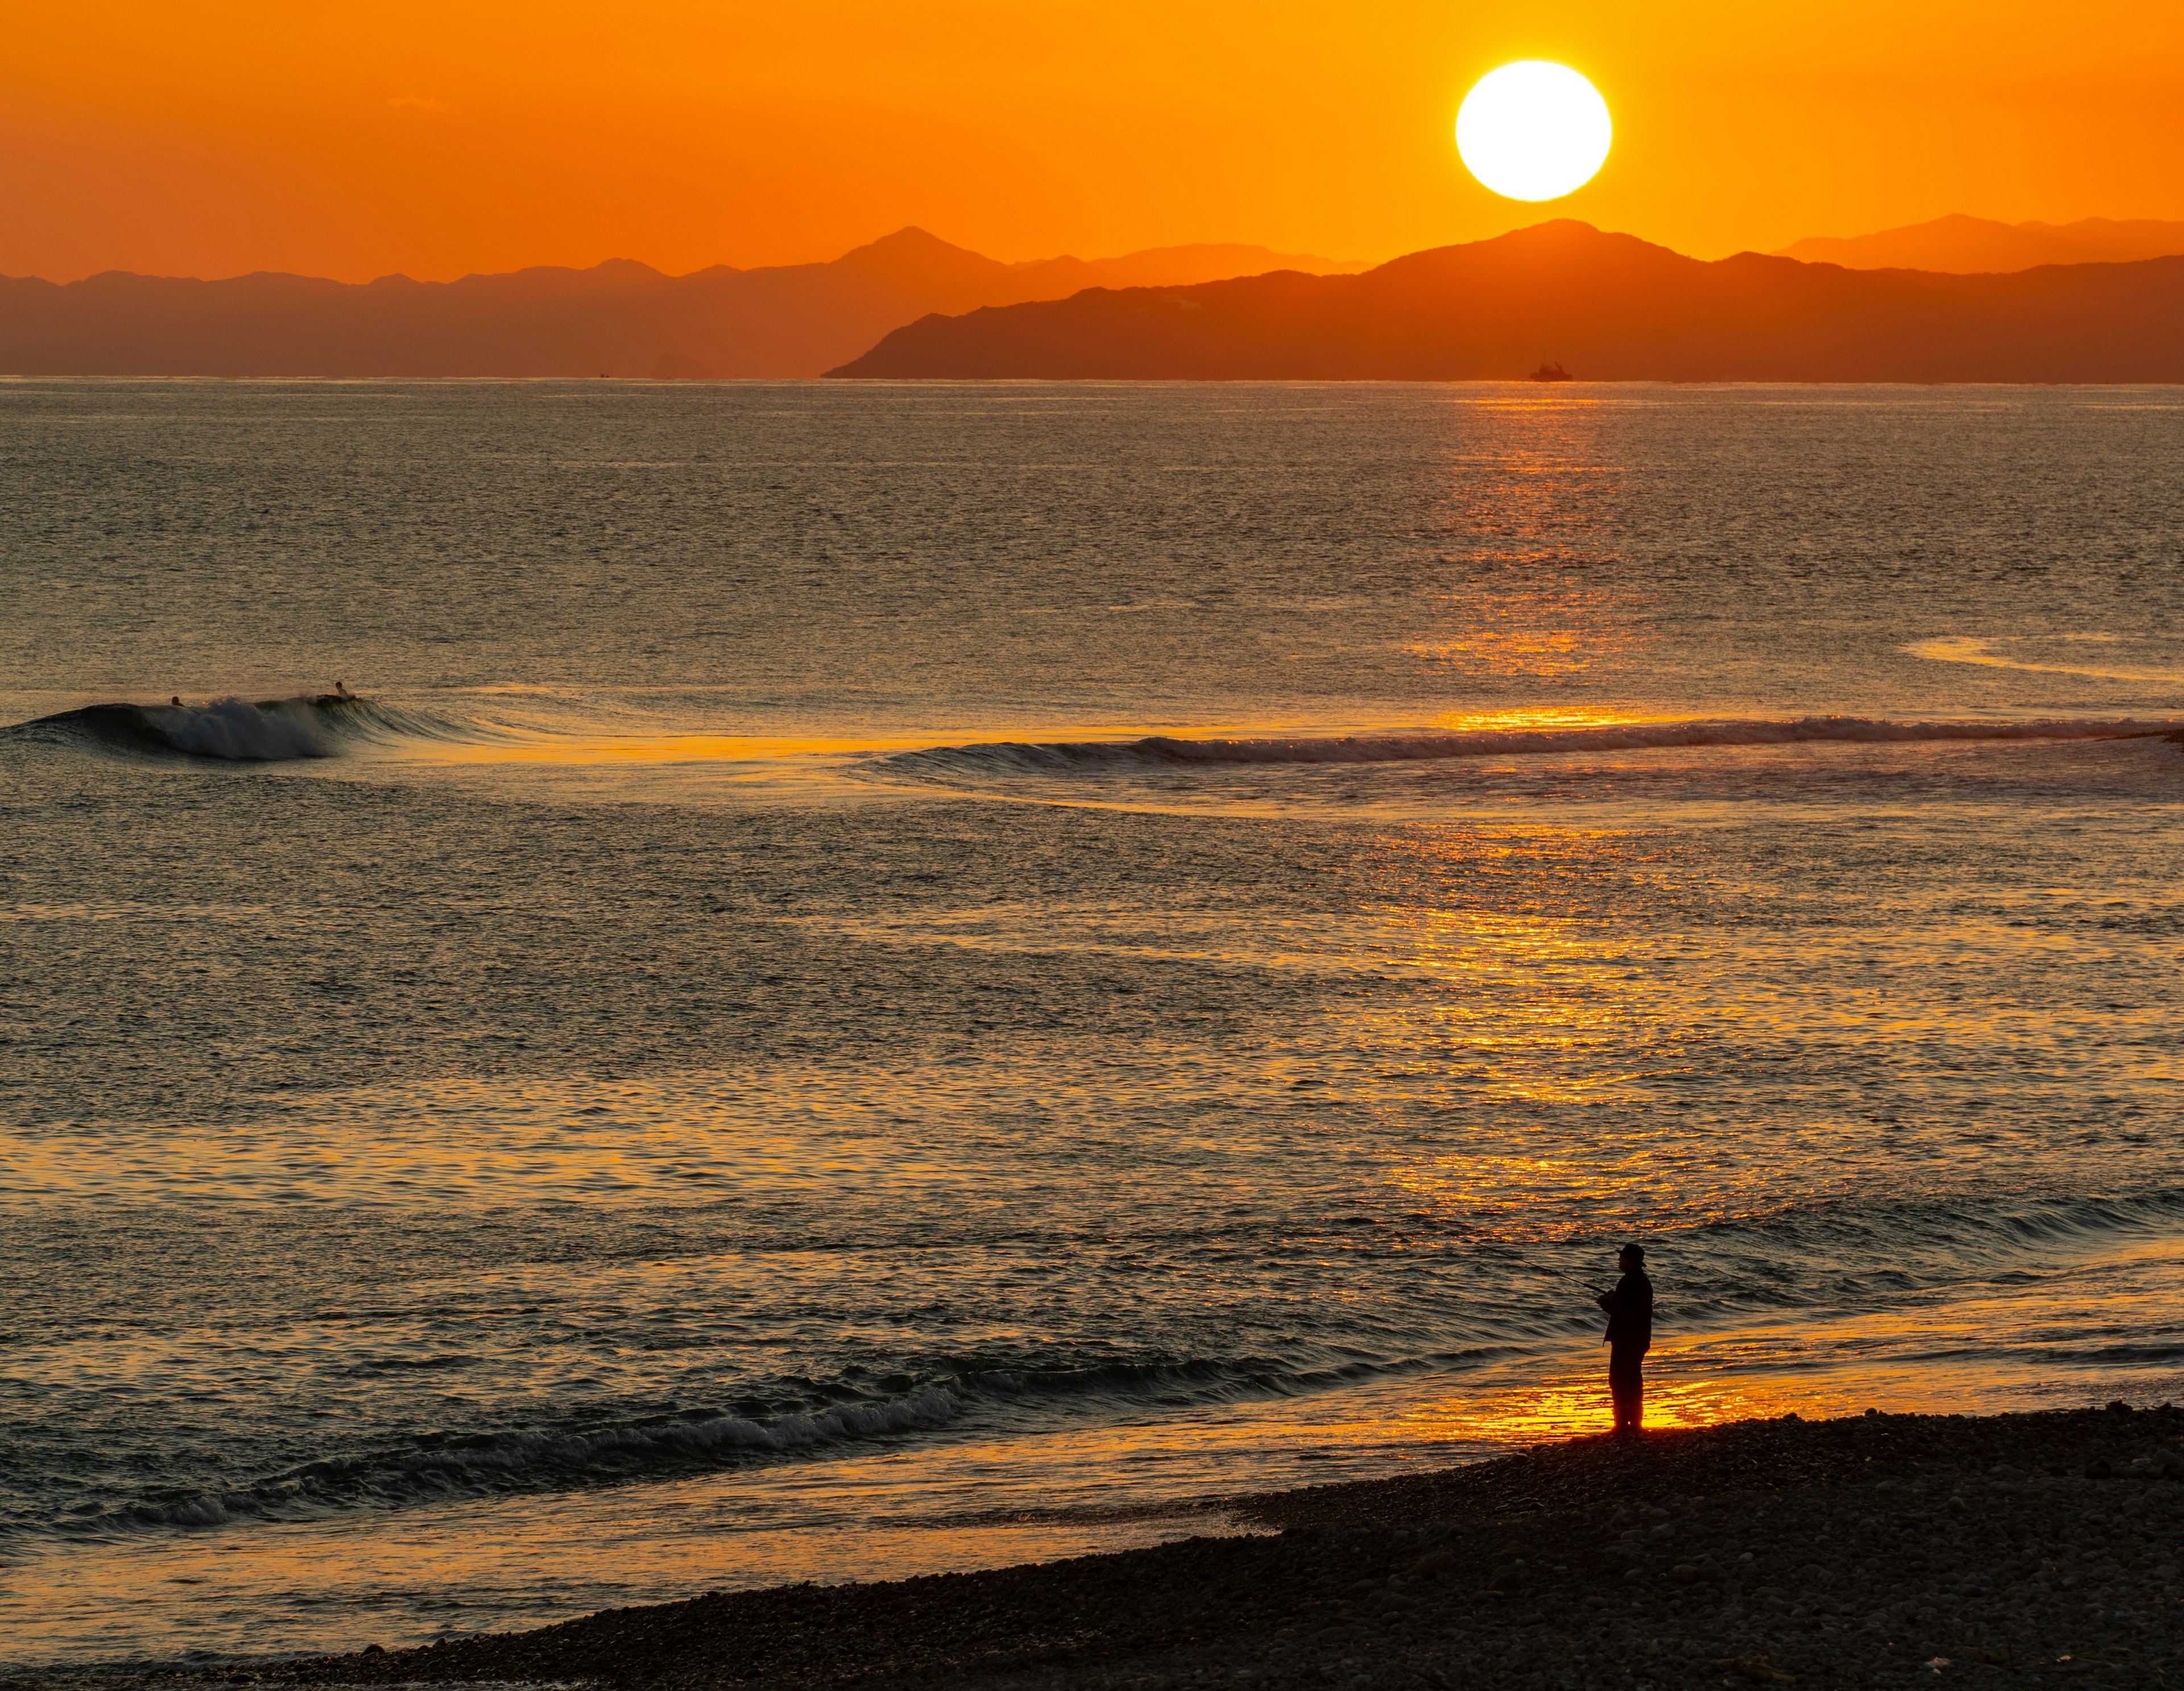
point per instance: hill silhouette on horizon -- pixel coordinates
(1608, 307)
(1975, 245)
(619, 318)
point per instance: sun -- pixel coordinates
(1534, 131)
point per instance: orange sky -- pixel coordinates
(349, 140)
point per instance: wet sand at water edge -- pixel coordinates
(2009, 1550)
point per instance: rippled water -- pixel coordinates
(880, 977)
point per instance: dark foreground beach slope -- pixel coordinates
(2015, 1550)
(1608, 307)
(617, 319)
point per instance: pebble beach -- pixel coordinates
(2022, 1550)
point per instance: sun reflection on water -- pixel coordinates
(1573, 1404)
(1540, 716)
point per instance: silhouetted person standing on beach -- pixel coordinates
(1629, 1309)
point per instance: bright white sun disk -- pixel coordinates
(1534, 131)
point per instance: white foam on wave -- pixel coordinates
(238, 730)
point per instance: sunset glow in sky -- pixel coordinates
(353, 139)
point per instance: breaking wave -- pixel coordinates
(1156, 752)
(1824, 1259)
(240, 730)
(524, 1459)
(329, 725)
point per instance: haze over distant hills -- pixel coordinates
(1968, 245)
(1608, 307)
(619, 318)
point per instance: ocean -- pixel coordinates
(859, 979)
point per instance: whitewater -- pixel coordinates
(866, 978)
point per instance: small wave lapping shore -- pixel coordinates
(2011, 1550)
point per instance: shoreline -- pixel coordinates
(2026, 1549)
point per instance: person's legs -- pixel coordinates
(1626, 1386)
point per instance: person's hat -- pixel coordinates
(1637, 1251)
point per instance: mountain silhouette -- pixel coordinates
(1606, 307)
(1971, 245)
(619, 318)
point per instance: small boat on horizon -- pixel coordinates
(1550, 372)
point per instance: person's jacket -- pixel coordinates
(1631, 1312)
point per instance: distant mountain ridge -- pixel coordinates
(619, 318)
(1609, 307)
(1967, 246)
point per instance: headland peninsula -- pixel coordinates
(1606, 307)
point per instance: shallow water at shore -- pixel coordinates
(871, 956)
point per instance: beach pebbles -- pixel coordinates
(2014, 1550)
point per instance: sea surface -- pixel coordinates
(862, 979)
